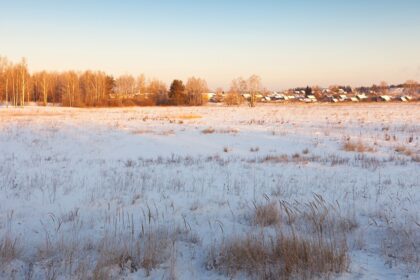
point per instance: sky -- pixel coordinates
(289, 43)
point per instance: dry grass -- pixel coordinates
(208, 130)
(275, 241)
(352, 146)
(408, 152)
(189, 117)
(129, 254)
(310, 241)
(280, 257)
(266, 215)
(9, 249)
(416, 158)
(402, 242)
(143, 131)
(211, 130)
(153, 132)
(404, 150)
(296, 158)
(275, 159)
(228, 131)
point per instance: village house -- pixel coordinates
(310, 98)
(342, 97)
(361, 97)
(385, 98)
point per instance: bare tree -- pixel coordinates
(45, 87)
(411, 87)
(237, 87)
(72, 95)
(317, 91)
(4, 79)
(243, 85)
(383, 87)
(125, 85)
(157, 91)
(23, 73)
(254, 87)
(141, 85)
(195, 89)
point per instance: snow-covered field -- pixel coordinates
(158, 192)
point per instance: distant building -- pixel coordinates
(246, 95)
(361, 96)
(342, 97)
(385, 98)
(310, 98)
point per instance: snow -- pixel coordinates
(72, 176)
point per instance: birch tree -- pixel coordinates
(254, 87)
(195, 89)
(141, 85)
(23, 72)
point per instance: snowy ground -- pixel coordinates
(77, 185)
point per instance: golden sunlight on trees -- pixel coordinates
(244, 89)
(70, 88)
(23, 71)
(15, 82)
(237, 88)
(19, 87)
(71, 95)
(93, 88)
(41, 86)
(4, 78)
(195, 90)
(157, 92)
(125, 85)
(141, 85)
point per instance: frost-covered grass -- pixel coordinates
(210, 192)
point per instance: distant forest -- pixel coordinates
(97, 88)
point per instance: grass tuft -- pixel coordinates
(266, 215)
(280, 257)
(9, 249)
(351, 146)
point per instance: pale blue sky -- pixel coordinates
(288, 43)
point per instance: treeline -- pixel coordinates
(92, 88)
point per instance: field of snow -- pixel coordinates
(157, 193)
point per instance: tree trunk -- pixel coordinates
(23, 89)
(7, 92)
(14, 91)
(44, 91)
